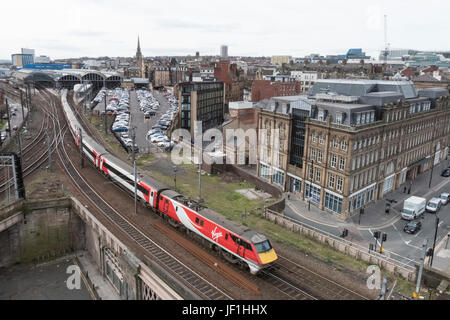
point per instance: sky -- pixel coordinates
(76, 28)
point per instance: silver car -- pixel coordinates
(433, 205)
(445, 197)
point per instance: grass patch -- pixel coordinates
(2, 123)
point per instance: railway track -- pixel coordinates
(288, 274)
(198, 284)
(33, 156)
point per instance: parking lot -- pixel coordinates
(142, 124)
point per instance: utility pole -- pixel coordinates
(21, 103)
(434, 242)
(199, 181)
(29, 95)
(133, 137)
(419, 276)
(9, 121)
(432, 167)
(135, 188)
(19, 138)
(106, 94)
(49, 150)
(81, 147)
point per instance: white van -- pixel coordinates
(413, 207)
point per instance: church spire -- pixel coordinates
(139, 46)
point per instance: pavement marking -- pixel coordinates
(406, 242)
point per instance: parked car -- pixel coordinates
(412, 227)
(446, 173)
(433, 205)
(445, 197)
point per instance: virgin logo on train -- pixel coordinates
(215, 235)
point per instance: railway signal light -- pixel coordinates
(384, 237)
(376, 234)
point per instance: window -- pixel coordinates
(313, 136)
(321, 139)
(333, 161)
(319, 156)
(331, 180)
(339, 118)
(341, 163)
(312, 193)
(321, 115)
(344, 145)
(313, 154)
(264, 171)
(317, 174)
(336, 143)
(278, 178)
(333, 203)
(358, 119)
(339, 183)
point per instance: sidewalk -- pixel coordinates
(103, 287)
(374, 216)
(441, 259)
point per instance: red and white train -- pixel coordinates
(237, 243)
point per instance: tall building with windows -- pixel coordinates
(362, 140)
(201, 101)
(224, 52)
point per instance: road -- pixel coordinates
(401, 246)
(14, 120)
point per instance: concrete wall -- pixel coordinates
(46, 228)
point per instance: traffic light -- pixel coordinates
(344, 233)
(376, 234)
(429, 252)
(384, 236)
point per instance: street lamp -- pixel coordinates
(175, 177)
(434, 242)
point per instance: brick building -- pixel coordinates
(265, 89)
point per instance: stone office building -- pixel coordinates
(363, 139)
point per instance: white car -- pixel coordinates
(159, 139)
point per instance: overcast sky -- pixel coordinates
(62, 29)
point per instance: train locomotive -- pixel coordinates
(237, 243)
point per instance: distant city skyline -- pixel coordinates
(250, 28)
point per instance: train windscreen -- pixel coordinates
(262, 247)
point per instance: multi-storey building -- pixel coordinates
(201, 101)
(362, 140)
(279, 60)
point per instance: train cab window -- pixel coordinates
(176, 209)
(263, 246)
(201, 222)
(226, 236)
(197, 220)
(160, 198)
(152, 194)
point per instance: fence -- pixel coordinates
(389, 264)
